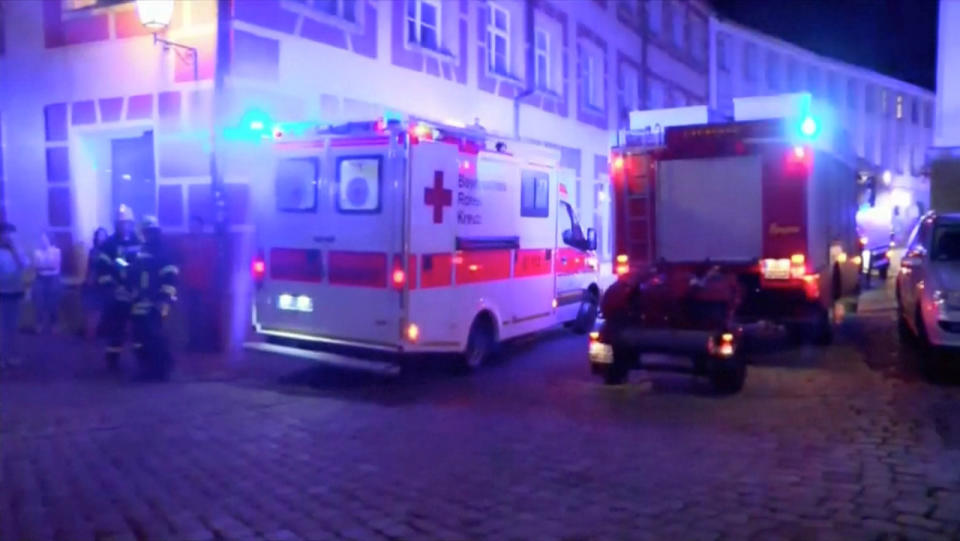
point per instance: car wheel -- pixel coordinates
(481, 344)
(619, 370)
(587, 314)
(728, 376)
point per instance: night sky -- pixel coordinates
(895, 37)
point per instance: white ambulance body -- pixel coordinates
(414, 239)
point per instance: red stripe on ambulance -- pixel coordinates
(532, 262)
(436, 270)
(482, 266)
(296, 265)
(358, 269)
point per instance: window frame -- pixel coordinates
(315, 161)
(852, 93)
(314, 10)
(772, 70)
(574, 224)
(593, 93)
(532, 210)
(629, 73)
(654, 23)
(723, 62)
(494, 32)
(750, 52)
(679, 16)
(417, 20)
(539, 55)
(339, 160)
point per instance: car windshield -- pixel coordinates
(946, 243)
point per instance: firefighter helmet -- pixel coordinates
(124, 214)
(150, 222)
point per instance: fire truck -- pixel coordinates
(385, 238)
(719, 226)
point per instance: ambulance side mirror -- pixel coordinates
(591, 239)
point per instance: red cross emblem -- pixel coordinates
(437, 197)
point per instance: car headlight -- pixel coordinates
(950, 299)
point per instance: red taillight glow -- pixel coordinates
(259, 268)
(811, 286)
(399, 277)
(594, 336)
(618, 162)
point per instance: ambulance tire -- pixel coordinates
(481, 343)
(587, 313)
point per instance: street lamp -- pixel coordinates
(155, 16)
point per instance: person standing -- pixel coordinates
(197, 285)
(154, 278)
(46, 287)
(114, 279)
(92, 297)
(11, 293)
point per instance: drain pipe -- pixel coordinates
(529, 10)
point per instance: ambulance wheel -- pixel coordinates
(728, 376)
(587, 314)
(481, 344)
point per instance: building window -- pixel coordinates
(498, 40)
(698, 37)
(592, 83)
(72, 5)
(542, 49)
(927, 115)
(793, 76)
(656, 93)
(679, 25)
(871, 100)
(722, 60)
(852, 93)
(678, 98)
(884, 106)
(813, 80)
(423, 23)
(833, 88)
(654, 16)
(534, 194)
(750, 62)
(899, 107)
(914, 112)
(773, 71)
(341, 9)
(631, 88)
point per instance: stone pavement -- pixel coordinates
(822, 444)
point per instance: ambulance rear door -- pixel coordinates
(334, 243)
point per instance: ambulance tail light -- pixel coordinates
(398, 276)
(258, 269)
(412, 333)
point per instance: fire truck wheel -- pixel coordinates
(623, 359)
(587, 314)
(728, 376)
(481, 344)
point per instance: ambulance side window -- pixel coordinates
(358, 184)
(295, 185)
(570, 232)
(534, 194)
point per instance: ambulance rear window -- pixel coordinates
(534, 194)
(358, 184)
(296, 185)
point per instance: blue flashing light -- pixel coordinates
(808, 127)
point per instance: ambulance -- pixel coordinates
(379, 239)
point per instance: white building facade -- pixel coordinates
(888, 122)
(102, 115)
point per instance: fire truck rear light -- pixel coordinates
(842, 257)
(594, 336)
(413, 332)
(726, 337)
(622, 259)
(618, 162)
(622, 269)
(864, 241)
(725, 349)
(857, 260)
(798, 259)
(399, 277)
(811, 286)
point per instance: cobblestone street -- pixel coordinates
(842, 443)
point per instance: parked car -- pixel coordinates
(928, 285)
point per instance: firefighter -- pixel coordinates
(154, 278)
(113, 278)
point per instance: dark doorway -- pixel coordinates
(132, 174)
